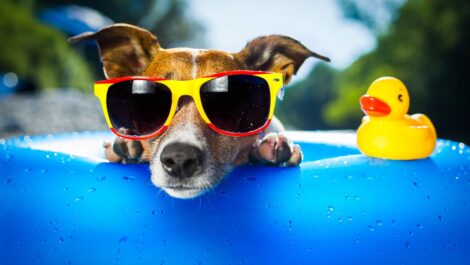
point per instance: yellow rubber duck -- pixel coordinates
(388, 131)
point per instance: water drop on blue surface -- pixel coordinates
(79, 198)
(371, 228)
(101, 178)
(128, 178)
(91, 190)
(122, 239)
(379, 222)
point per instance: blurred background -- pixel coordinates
(46, 83)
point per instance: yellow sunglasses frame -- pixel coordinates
(190, 88)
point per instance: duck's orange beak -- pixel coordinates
(374, 107)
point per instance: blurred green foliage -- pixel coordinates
(427, 47)
(42, 55)
(37, 52)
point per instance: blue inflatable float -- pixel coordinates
(62, 203)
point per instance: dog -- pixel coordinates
(189, 145)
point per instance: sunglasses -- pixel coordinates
(236, 103)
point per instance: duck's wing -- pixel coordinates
(423, 119)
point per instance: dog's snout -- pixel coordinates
(182, 160)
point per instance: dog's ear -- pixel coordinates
(276, 53)
(124, 49)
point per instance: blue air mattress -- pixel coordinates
(62, 203)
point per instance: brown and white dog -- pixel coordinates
(201, 156)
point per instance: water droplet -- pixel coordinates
(350, 218)
(91, 190)
(290, 225)
(27, 170)
(379, 222)
(79, 198)
(454, 148)
(349, 177)
(357, 198)
(128, 178)
(461, 145)
(43, 171)
(122, 239)
(101, 178)
(419, 226)
(48, 156)
(340, 220)
(66, 189)
(67, 205)
(61, 240)
(439, 217)
(154, 212)
(8, 180)
(371, 228)
(407, 244)
(331, 208)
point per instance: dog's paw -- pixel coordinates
(275, 149)
(124, 151)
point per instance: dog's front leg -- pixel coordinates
(126, 151)
(275, 148)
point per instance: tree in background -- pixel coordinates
(41, 54)
(37, 52)
(426, 46)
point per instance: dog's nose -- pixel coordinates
(182, 160)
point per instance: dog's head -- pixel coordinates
(190, 158)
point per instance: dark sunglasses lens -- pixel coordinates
(138, 107)
(236, 103)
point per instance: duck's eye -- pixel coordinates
(400, 98)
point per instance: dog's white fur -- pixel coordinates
(188, 133)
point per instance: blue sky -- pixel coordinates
(318, 24)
